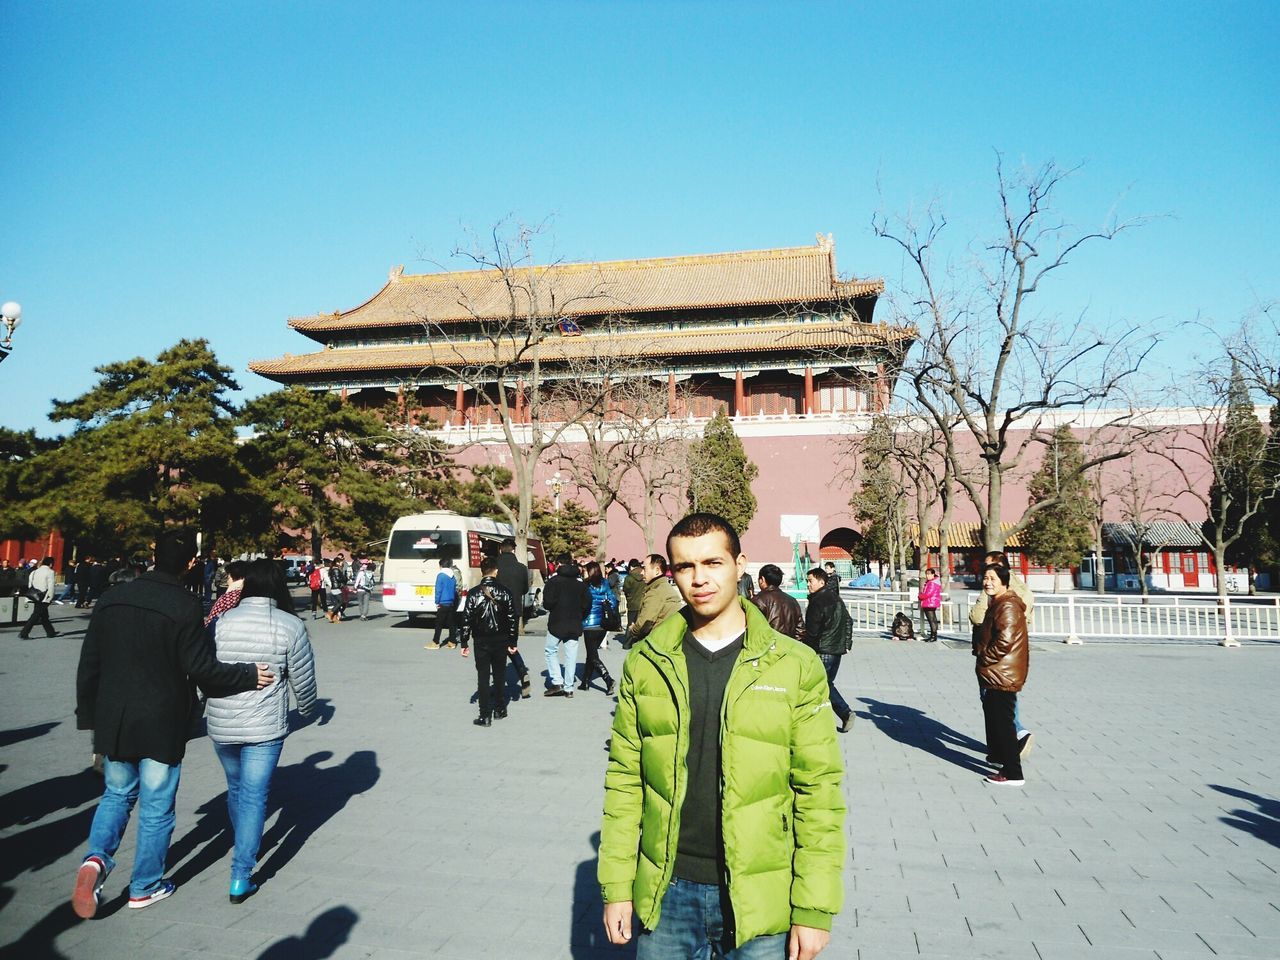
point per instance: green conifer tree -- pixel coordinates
(1059, 535)
(720, 475)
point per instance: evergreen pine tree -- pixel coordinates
(1240, 456)
(1060, 534)
(720, 475)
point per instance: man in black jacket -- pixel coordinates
(489, 618)
(568, 601)
(827, 628)
(144, 652)
(514, 575)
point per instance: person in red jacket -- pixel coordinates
(930, 602)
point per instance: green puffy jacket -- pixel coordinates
(783, 809)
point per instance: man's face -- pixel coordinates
(652, 571)
(706, 573)
(815, 583)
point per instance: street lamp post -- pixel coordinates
(555, 483)
(11, 317)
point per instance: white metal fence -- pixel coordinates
(1074, 619)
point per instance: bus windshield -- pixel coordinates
(425, 545)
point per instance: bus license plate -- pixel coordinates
(426, 591)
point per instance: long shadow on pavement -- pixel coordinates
(18, 734)
(915, 728)
(1264, 823)
(587, 940)
(325, 934)
(36, 801)
(306, 795)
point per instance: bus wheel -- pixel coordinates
(412, 619)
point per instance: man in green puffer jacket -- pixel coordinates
(724, 776)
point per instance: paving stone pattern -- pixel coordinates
(1148, 828)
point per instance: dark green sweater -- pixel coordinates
(700, 847)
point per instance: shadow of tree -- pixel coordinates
(323, 936)
(18, 734)
(915, 728)
(43, 845)
(1263, 823)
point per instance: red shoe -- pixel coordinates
(89, 880)
(1000, 780)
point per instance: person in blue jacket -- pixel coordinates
(446, 597)
(593, 630)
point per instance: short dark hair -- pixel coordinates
(566, 560)
(264, 578)
(634, 564)
(700, 524)
(932, 570)
(508, 544)
(656, 560)
(174, 550)
(236, 569)
(830, 564)
(818, 574)
(771, 574)
(1001, 570)
(997, 556)
(489, 563)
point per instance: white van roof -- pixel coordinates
(434, 517)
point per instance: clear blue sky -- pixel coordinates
(180, 170)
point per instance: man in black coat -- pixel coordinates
(568, 601)
(144, 652)
(826, 629)
(489, 619)
(514, 575)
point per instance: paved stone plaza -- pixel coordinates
(1148, 828)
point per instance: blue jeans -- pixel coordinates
(249, 768)
(831, 662)
(693, 925)
(570, 674)
(152, 786)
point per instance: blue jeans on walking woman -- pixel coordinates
(152, 785)
(249, 768)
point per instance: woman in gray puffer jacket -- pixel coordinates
(248, 729)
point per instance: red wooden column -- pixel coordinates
(458, 400)
(739, 396)
(808, 391)
(519, 401)
(671, 394)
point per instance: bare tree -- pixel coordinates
(516, 360)
(1143, 510)
(989, 364)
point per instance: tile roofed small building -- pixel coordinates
(760, 332)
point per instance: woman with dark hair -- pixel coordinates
(248, 729)
(593, 630)
(1003, 652)
(236, 570)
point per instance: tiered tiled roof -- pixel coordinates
(782, 277)
(642, 342)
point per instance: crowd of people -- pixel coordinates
(738, 672)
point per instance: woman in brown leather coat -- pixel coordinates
(1002, 653)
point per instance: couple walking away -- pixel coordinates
(144, 653)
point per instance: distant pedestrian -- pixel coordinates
(337, 589)
(364, 588)
(40, 589)
(633, 591)
(660, 599)
(827, 630)
(781, 609)
(221, 580)
(1002, 660)
(445, 593)
(489, 618)
(319, 591)
(514, 575)
(930, 603)
(144, 652)
(98, 576)
(248, 729)
(78, 583)
(746, 586)
(833, 578)
(593, 629)
(567, 600)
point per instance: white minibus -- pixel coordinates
(422, 542)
